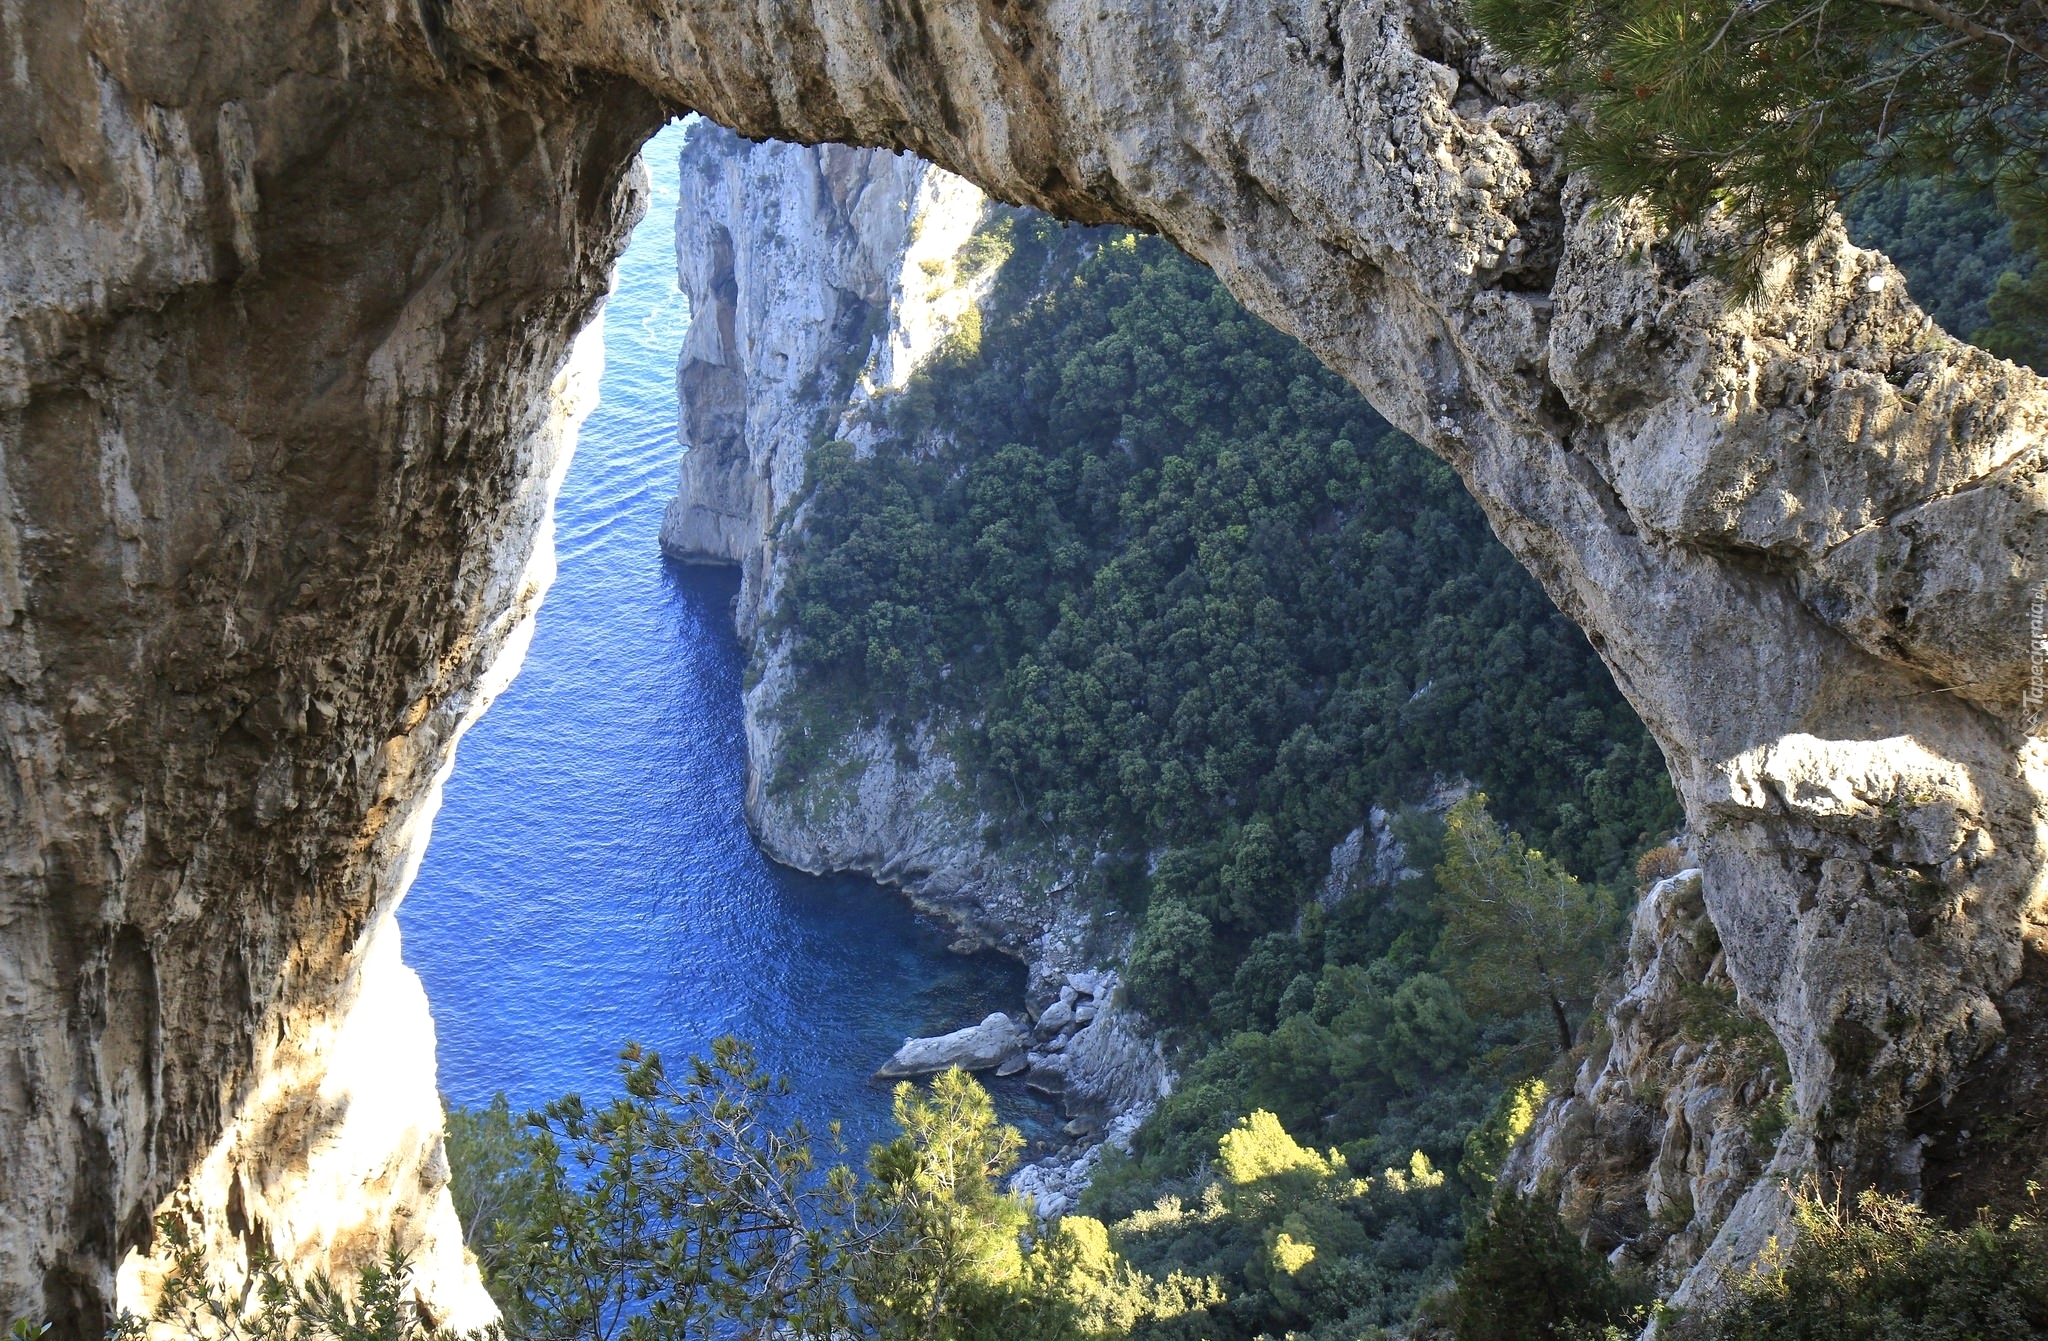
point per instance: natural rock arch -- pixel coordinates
(288, 295)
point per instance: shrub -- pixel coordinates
(1528, 1278)
(1659, 863)
(1881, 1269)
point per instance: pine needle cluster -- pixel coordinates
(1764, 114)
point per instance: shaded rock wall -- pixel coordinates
(286, 291)
(285, 311)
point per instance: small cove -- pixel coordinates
(591, 880)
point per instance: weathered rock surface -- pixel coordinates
(285, 313)
(1675, 1111)
(820, 277)
(978, 1047)
(286, 290)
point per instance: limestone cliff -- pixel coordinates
(287, 288)
(285, 317)
(819, 280)
(1676, 1109)
(817, 277)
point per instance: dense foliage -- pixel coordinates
(688, 1208)
(1528, 1278)
(1194, 594)
(1359, 1027)
(1880, 1269)
(659, 1219)
(1768, 110)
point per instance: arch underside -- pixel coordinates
(285, 376)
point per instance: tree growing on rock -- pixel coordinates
(1769, 111)
(1520, 932)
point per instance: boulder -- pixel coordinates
(1046, 1078)
(979, 1047)
(1057, 1016)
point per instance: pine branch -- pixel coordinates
(1968, 27)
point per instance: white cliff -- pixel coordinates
(820, 280)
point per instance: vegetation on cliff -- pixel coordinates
(1921, 122)
(1877, 1268)
(1193, 594)
(1407, 1046)
(1200, 610)
(1767, 112)
(1195, 609)
(688, 1211)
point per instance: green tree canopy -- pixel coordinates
(1519, 930)
(1528, 1278)
(686, 1209)
(953, 1235)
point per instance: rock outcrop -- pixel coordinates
(819, 278)
(1677, 1108)
(978, 1047)
(286, 292)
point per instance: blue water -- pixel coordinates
(590, 880)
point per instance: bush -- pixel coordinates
(1528, 1278)
(1659, 863)
(1881, 1269)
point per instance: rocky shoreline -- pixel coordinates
(1083, 1050)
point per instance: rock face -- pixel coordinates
(1677, 1108)
(286, 312)
(819, 277)
(978, 1047)
(287, 291)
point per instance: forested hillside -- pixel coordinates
(1193, 594)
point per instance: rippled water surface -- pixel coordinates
(590, 879)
